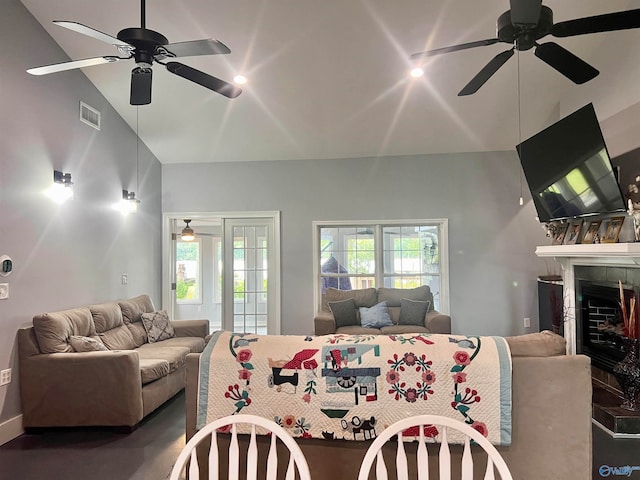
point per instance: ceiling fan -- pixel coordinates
(527, 22)
(146, 46)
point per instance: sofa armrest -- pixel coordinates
(191, 328)
(437, 322)
(324, 323)
(191, 393)
(81, 389)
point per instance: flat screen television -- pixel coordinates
(568, 169)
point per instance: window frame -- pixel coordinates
(195, 301)
(443, 250)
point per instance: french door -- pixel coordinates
(229, 273)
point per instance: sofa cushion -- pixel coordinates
(366, 297)
(54, 329)
(158, 326)
(412, 312)
(132, 309)
(174, 355)
(376, 316)
(86, 344)
(344, 312)
(393, 295)
(106, 316)
(194, 344)
(403, 329)
(152, 369)
(542, 344)
(358, 330)
(118, 338)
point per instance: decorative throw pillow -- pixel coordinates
(344, 311)
(412, 312)
(86, 344)
(376, 316)
(158, 326)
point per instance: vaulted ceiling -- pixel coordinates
(329, 79)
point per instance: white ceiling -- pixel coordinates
(328, 79)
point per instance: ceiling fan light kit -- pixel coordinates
(146, 47)
(529, 21)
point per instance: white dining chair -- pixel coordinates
(188, 458)
(444, 425)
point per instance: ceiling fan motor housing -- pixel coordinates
(145, 41)
(523, 36)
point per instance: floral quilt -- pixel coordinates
(353, 386)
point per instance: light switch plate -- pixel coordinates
(4, 291)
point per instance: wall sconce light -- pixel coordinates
(61, 190)
(129, 202)
(187, 232)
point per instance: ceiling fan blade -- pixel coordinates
(454, 48)
(192, 48)
(141, 86)
(486, 73)
(206, 80)
(61, 67)
(565, 62)
(525, 12)
(608, 22)
(92, 32)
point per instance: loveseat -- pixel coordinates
(551, 419)
(103, 365)
(341, 312)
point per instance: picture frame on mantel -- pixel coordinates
(591, 232)
(561, 231)
(573, 233)
(613, 230)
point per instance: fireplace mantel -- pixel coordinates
(569, 256)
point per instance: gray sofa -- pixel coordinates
(434, 321)
(551, 419)
(117, 384)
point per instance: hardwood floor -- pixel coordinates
(149, 452)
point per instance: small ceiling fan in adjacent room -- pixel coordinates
(146, 47)
(527, 22)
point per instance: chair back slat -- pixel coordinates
(234, 455)
(381, 468)
(489, 475)
(402, 468)
(252, 456)
(467, 461)
(422, 457)
(291, 469)
(213, 457)
(194, 471)
(272, 460)
(297, 462)
(444, 457)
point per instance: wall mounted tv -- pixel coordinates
(568, 169)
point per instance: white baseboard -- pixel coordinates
(11, 429)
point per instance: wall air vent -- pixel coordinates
(89, 115)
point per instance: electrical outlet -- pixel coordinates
(4, 291)
(125, 279)
(5, 376)
(527, 322)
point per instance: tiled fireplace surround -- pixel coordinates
(593, 266)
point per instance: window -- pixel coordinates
(402, 254)
(188, 276)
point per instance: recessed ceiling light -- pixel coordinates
(240, 79)
(416, 72)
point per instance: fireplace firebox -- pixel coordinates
(599, 322)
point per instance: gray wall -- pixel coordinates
(493, 268)
(74, 254)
